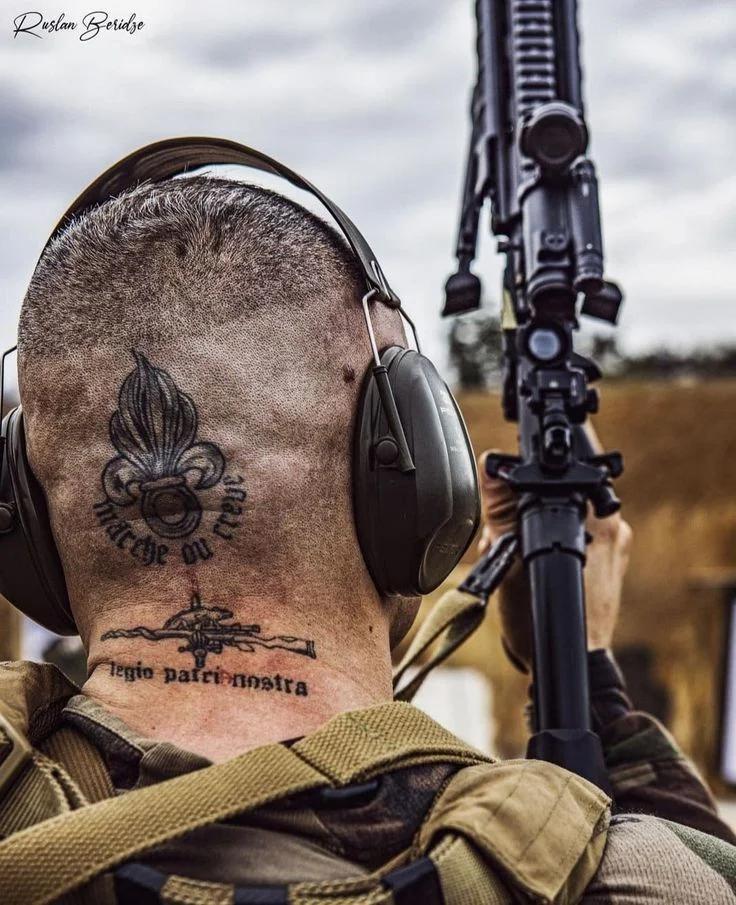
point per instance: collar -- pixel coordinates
(133, 760)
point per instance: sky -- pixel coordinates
(369, 101)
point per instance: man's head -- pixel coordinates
(191, 356)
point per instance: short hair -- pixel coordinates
(171, 239)
(240, 308)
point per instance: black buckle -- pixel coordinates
(417, 882)
(490, 571)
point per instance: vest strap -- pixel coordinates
(41, 863)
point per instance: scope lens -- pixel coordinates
(544, 344)
(556, 142)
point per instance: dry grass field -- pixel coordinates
(679, 495)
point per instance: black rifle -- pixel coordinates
(527, 155)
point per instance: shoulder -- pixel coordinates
(649, 860)
(32, 696)
(30, 693)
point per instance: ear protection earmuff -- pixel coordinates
(414, 524)
(31, 576)
(415, 485)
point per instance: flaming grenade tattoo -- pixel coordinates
(205, 630)
(154, 430)
(161, 471)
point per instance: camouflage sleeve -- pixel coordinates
(648, 772)
(650, 861)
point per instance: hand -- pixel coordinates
(607, 561)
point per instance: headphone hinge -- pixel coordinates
(405, 460)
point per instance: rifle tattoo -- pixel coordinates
(207, 630)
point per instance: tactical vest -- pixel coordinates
(499, 832)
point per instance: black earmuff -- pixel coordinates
(31, 576)
(413, 524)
(415, 484)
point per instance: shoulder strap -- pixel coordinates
(63, 773)
(44, 770)
(454, 618)
(43, 862)
(82, 761)
(31, 697)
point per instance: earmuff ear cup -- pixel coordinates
(413, 527)
(31, 575)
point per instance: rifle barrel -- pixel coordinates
(527, 152)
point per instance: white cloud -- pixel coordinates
(370, 102)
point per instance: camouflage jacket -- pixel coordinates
(665, 843)
(648, 772)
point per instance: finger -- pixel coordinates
(595, 441)
(485, 540)
(488, 484)
(602, 528)
(499, 501)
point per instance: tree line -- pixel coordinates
(476, 356)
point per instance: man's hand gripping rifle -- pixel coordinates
(527, 155)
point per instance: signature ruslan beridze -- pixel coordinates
(91, 25)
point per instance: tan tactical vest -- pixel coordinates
(498, 833)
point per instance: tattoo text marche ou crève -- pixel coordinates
(162, 470)
(207, 630)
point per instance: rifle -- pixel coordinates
(527, 156)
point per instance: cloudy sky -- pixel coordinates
(369, 99)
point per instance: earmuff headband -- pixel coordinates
(174, 156)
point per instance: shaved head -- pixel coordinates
(191, 355)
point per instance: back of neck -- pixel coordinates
(218, 681)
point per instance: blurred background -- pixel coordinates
(369, 101)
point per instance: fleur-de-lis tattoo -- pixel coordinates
(159, 465)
